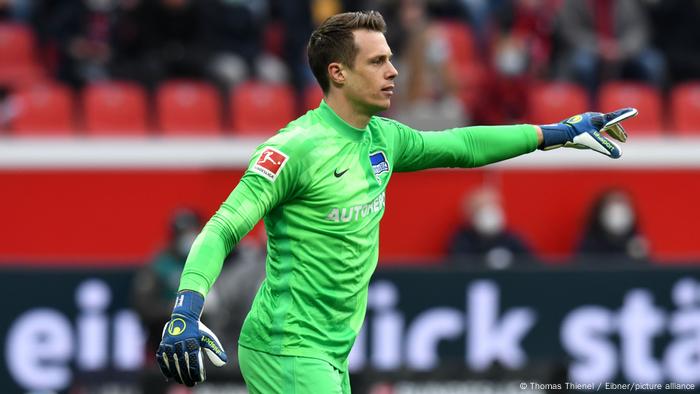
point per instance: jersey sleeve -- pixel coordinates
(271, 178)
(460, 147)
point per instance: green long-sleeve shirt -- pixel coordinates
(320, 186)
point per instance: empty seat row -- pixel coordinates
(195, 108)
(554, 101)
(181, 107)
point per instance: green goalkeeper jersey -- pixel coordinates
(320, 185)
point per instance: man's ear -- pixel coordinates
(336, 72)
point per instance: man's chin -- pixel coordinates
(382, 106)
(375, 107)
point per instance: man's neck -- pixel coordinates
(343, 108)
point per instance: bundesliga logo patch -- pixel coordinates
(379, 163)
(270, 163)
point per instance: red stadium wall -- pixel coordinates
(548, 207)
(73, 216)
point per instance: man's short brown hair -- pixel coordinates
(333, 41)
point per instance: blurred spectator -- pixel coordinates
(519, 49)
(483, 239)
(297, 24)
(612, 234)
(480, 16)
(235, 35)
(426, 96)
(41, 19)
(233, 293)
(176, 39)
(16, 10)
(156, 284)
(130, 39)
(604, 39)
(676, 33)
(80, 32)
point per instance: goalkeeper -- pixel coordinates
(320, 186)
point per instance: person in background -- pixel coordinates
(235, 36)
(429, 99)
(604, 39)
(16, 10)
(129, 37)
(176, 39)
(612, 233)
(483, 240)
(676, 34)
(297, 19)
(234, 291)
(155, 285)
(519, 52)
(80, 30)
(479, 14)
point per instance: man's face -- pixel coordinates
(369, 84)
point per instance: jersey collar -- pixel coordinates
(329, 116)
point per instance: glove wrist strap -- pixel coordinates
(556, 135)
(189, 303)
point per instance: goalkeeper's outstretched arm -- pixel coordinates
(482, 145)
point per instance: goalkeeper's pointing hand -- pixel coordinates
(184, 339)
(585, 131)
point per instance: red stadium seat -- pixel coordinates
(42, 110)
(16, 44)
(460, 41)
(554, 101)
(115, 108)
(260, 108)
(615, 95)
(188, 108)
(20, 77)
(18, 63)
(312, 96)
(685, 108)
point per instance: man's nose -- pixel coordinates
(393, 72)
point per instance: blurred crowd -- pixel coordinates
(460, 61)
(610, 236)
(156, 283)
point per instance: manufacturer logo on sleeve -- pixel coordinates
(270, 163)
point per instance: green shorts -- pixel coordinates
(266, 373)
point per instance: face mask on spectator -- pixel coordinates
(488, 220)
(511, 60)
(617, 218)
